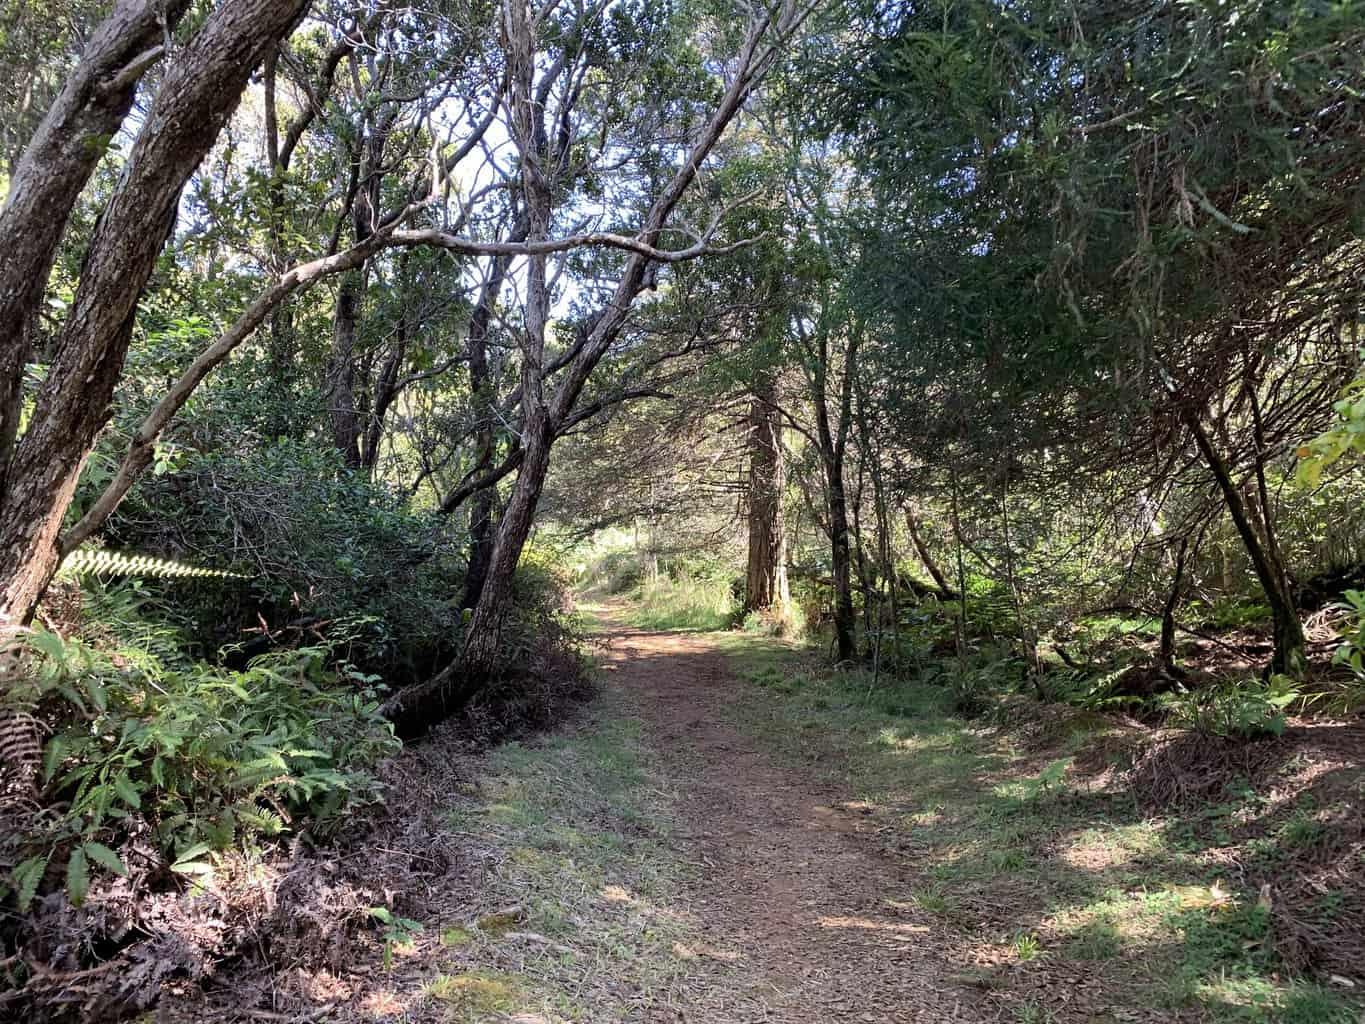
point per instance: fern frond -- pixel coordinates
(102, 562)
(21, 753)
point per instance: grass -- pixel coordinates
(683, 604)
(576, 919)
(1019, 842)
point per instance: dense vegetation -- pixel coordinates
(1008, 350)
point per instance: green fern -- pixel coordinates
(102, 562)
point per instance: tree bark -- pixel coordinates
(53, 169)
(833, 442)
(766, 587)
(341, 404)
(483, 399)
(201, 89)
(1288, 657)
(1166, 654)
(926, 557)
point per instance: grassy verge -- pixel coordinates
(682, 604)
(1054, 888)
(576, 914)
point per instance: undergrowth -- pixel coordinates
(687, 602)
(150, 759)
(1031, 849)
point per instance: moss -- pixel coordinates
(476, 993)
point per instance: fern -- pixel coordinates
(99, 561)
(21, 746)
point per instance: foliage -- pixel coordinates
(1346, 437)
(1351, 652)
(100, 562)
(207, 758)
(319, 549)
(1242, 709)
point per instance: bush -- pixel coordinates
(193, 757)
(329, 557)
(788, 622)
(1244, 709)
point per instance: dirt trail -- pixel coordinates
(796, 894)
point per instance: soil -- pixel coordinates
(798, 893)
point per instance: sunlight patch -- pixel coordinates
(616, 894)
(867, 924)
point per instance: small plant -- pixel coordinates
(1033, 1012)
(1098, 940)
(1351, 653)
(1240, 710)
(208, 758)
(1026, 946)
(398, 931)
(1050, 780)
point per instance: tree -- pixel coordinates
(198, 93)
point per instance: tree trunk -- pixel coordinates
(484, 401)
(542, 418)
(199, 93)
(54, 167)
(833, 444)
(844, 615)
(766, 586)
(341, 404)
(1166, 655)
(1288, 657)
(926, 558)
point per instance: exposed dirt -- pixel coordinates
(797, 892)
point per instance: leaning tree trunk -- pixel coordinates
(926, 557)
(766, 586)
(1288, 657)
(200, 91)
(52, 171)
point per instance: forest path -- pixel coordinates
(796, 893)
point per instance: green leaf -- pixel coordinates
(77, 876)
(106, 858)
(192, 867)
(52, 757)
(192, 851)
(48, 643)
(124, 787)
(25, 878)
(96, 691)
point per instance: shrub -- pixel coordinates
(788, 622)
(328, 556)
(1243, 709)
(205, 757)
